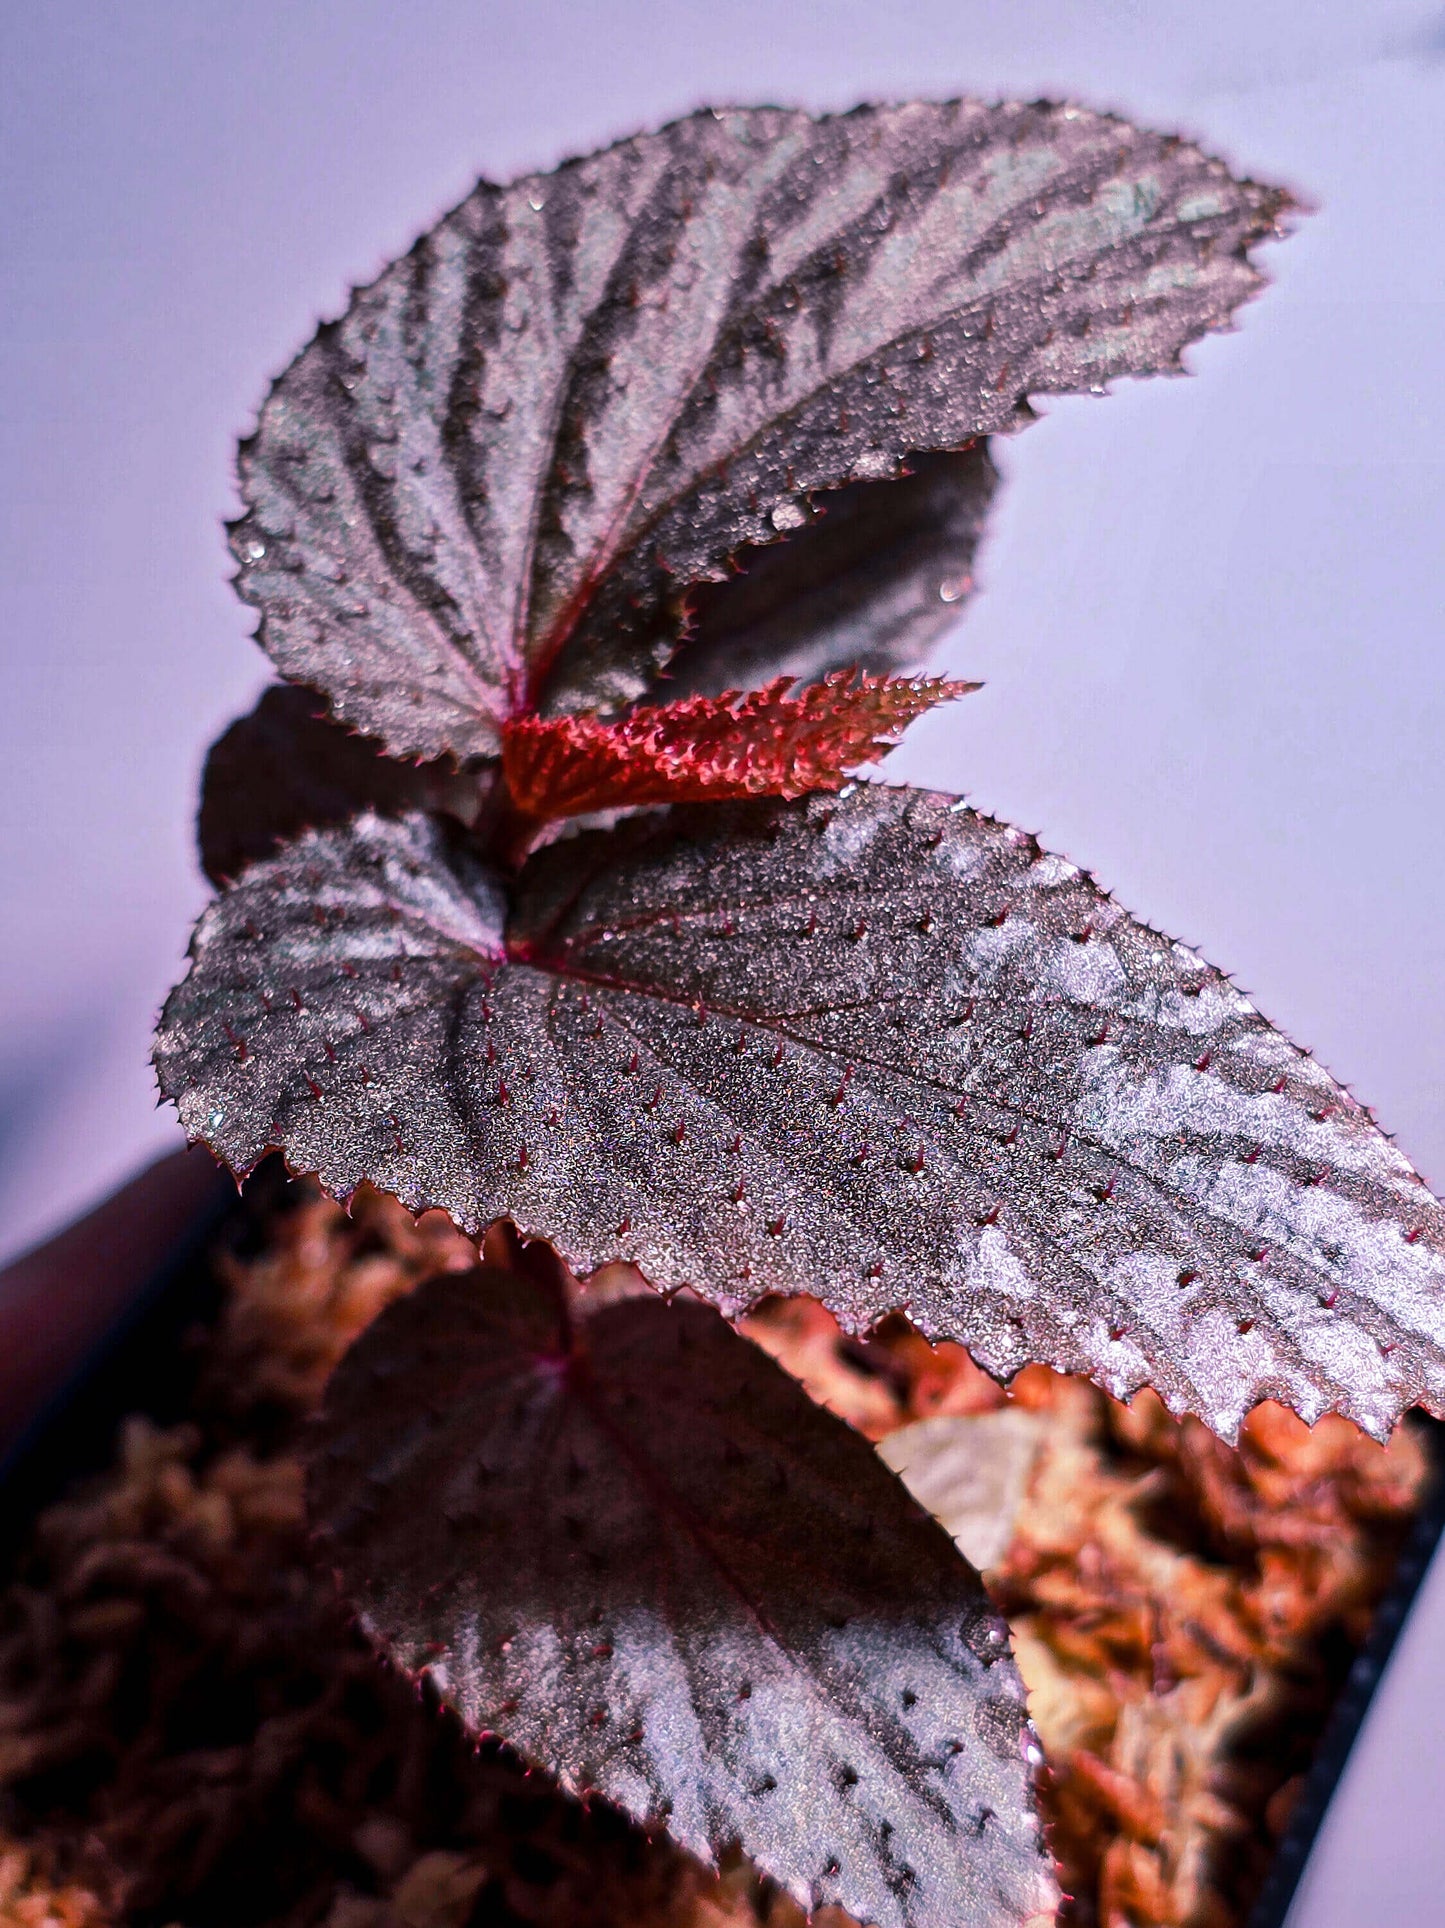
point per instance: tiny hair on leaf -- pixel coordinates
(772, 742)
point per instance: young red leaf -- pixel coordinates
(492, 484)
(771, 742)
(287, 767)
(629, 1543)
(874, 1047)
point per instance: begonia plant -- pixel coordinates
(600, 542)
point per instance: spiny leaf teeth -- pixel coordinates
(627, 1541)
(769, 742)
(287, 767)
(495, 483)
(915, 1058)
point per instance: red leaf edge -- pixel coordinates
(754, 743)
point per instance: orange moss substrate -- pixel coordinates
(190, 1734)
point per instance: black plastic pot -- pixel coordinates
(140, 1365)
(1352, 1706)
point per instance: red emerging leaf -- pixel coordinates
(755, 743)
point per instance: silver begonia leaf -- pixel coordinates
(629, 1543)
(875, 1047)
(490, 486)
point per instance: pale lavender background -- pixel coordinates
(1212, 633)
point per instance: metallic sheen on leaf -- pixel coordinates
(492, 484)
(628, 1542)
(874, 1046)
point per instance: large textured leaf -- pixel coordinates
(490, 485)
(286, 767)
(875, 1047)
(772, 742)
(630, 1543)
(871, 581)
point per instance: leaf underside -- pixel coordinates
(492, 485)
(286, 767)
(629, 1543)
(871, 581)
(772, 742)
(875, 1047)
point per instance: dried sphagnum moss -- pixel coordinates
(190, 1733)
(30, 1898)
(1182, 1613)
